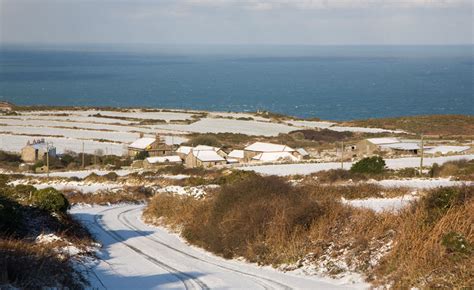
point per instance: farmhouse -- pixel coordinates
(5, 107)
(261, 151)
(36, 151)
(154, 147)
(235, 156)
(204, 158)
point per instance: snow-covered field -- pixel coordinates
(382, 204)
(69, 129)
(421, 183)
(138, 256)
(308, 168)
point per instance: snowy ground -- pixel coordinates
(382, 204)
(135, 255)
(308, 168)
(69, 129)
(421, 183)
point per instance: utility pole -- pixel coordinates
(47, 161)
(83, 161)
(421, 157)
(342, 155)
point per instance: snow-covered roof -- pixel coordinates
(184, 149)
(205, 148)
(207, 155)
(385, 140)
(268, 147)
(164, 159)
(302, 151)
(236, 154)
(142, 143)
(447, 149)
(274, 156)
(402, 146)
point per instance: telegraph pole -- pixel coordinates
(421, 157)
(83, 161)
(47, 161)
(342, 155)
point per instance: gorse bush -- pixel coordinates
(51, 200)
(371, 165)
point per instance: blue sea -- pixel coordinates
(328, 82)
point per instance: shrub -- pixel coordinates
(142, 155)
(371, 165)
(51, 200)
(4, 179)
(439, 201)
(208, 140)
(456, 243)
(234, 176)
(23, 191)
(10, 216)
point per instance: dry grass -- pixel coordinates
(269, 222)
(127, 195)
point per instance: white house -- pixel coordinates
(269, 152)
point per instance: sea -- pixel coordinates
(327, 82)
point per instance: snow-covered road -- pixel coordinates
(138, 256)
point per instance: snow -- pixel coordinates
(268, 147)
(135, 255)
(207, 155)
(402, 146)
(274, 156)
(164, 159)
(238, 154)
(184, 149)
(312, 124)
(308, 168)
(89, 187)
(84, 173)
(447, 149)
(142, 143)
(197, 191)
(380, 141)
(382, 204)
(302, 151)
(363, 130)
(211, 125)
(421, 183)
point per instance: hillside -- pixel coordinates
(447, 125)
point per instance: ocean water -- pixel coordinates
(334, 83)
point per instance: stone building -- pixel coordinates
(36, 150)
(154, 147)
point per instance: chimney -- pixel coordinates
(157, 138)
(141, 134)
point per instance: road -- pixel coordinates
(138, 256)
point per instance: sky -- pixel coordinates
(282, 22)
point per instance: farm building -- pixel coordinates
(151, 162)
(154, 147)
(372, 146)
(277, 152)
(203, 158)
(235, 156)
(5, 107)
(36, 151)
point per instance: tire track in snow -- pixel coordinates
(122, 218)
(186, 279)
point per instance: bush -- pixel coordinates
(51, 200)
(10, 216)
(23, 191)
(142, 155)
(4, 179)
(371, 165)
(439, 201)
(234, 176)
(208, 140)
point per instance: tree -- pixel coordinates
(371, 165)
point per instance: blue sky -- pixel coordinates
(313, 22)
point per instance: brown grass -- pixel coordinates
(267, 221)
(128, 195)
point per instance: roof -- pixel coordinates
(268, 147)
(164, 159)
(206, 148)
(142, 143)
(274, 156)
(184, 149)
(302, 151)
(402, 146)
(447, 149)
(207, 155)
(239, 154)
(386, 140)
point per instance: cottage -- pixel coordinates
(183, 151)
(154, 147)
(151, 162)
(371, 146)
(235, 156)
(274, 156)
(37, 151)
(203, 158)
(258, 148)
(5, 107)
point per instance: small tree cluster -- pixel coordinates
(370, 165)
